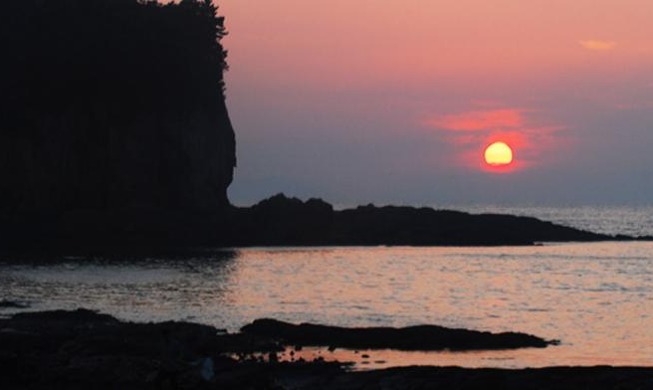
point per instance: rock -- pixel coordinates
(13, 304)
(84, 349)
(206, 369)
(565, 378)
(112, 136)
(423, 337)
(280, 220)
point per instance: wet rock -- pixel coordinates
(565, 378)
(423, 337)
(84, 349)
(13, 304)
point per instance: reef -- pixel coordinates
(421, 338)
(280, 220)
(84, 349)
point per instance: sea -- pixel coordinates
(595, 298)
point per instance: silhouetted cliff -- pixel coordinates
(114, 132)
(112, 106)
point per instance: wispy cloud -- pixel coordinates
(597, 45)
(480, 120)
(471, 131)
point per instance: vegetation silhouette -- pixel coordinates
(109, 104)
(112, 118)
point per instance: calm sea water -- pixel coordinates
(596, 298)
(630, 220)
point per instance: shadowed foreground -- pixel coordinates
(84, 349)
(413, 338)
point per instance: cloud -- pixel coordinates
(597, 45)
(480, 120)
(471, 131)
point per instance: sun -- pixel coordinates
(498, 154)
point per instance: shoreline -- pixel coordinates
(280, 221)
(83, 349)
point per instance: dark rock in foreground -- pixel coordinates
(83, 349)
(422, 338)
(13, 304)
(416, 378)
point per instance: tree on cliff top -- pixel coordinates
(113, 103)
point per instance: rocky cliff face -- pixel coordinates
(113, 105)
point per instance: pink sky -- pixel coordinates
(393, 101)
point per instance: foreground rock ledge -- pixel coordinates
(413, 338)
(83, 349)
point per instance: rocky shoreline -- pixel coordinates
(280, 221)
(85, 349)
(413, 338)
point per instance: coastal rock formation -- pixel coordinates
(84, 349)
(418, 378)
(412, 338)
(280, 220)
(114, 133)
(111, 107)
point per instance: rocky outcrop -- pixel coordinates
(86, 349)
(83, 349)
(412, 338)
(563, 378)
(111, 107)
(280, 220)
(114, 133)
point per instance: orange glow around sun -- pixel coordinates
(498, 154)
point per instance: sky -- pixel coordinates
(394, 101)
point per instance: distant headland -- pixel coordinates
(114, 133)
(284, 221)
(280, 220)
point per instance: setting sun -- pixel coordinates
(498, 154)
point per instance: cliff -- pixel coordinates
(111, 108)
(114, 133)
